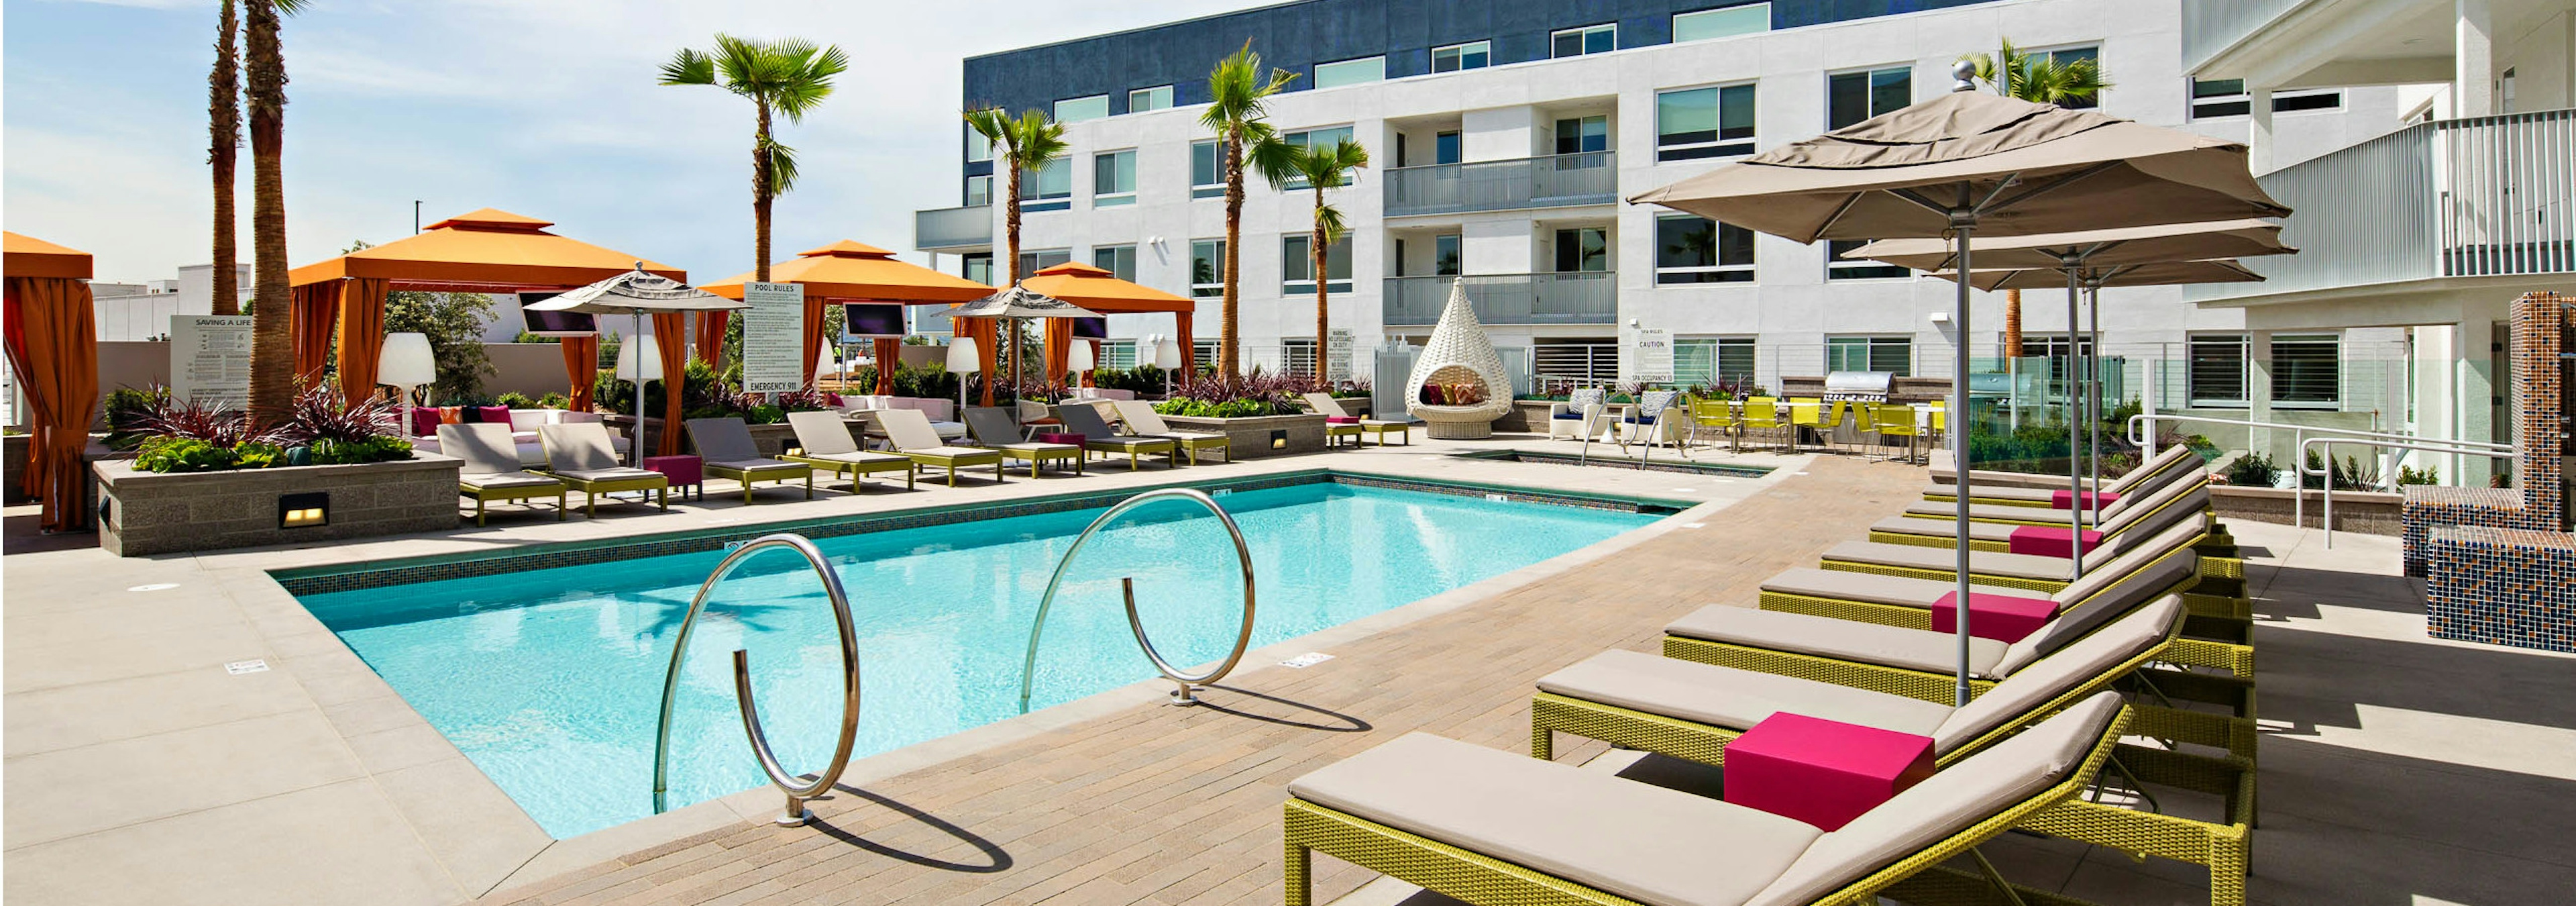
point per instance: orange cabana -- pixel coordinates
(487, 251)
(1095, 289)
(848, 271)
(52, 340)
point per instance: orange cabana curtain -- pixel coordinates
(1189, 347)
(711, 334)
(889, 353)
(1059, 348)
(670, 332)
(581, 368)
(988, 337)
(310, 316)
(813, 337)
(52, 340)
(362, 336)
(1095, 362)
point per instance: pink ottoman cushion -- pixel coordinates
(2065, 500)
(680, 470)
(1340, 420)
(1048, 437)
(2050, 541)
(1822, 772)
(2003, 618)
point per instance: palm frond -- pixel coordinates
(1036, 140)
(1239, 94)
(689, 67)
(1335, 226)
(991, 123)
(1279, 162)
(782, 167)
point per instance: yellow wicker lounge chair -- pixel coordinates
(1488, 827)
(2174, 462)
(492, 468)
(1098, 437)
(2174, 505)
(1327, 406)
(994, 429)
(824, 442)
(580, 455)
(1143, 421)
(911, 434)
(726, 450)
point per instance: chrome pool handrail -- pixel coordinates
(795, 812)
(1189, 684)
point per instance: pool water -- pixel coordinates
(549, 679)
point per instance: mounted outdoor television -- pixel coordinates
(873, 321)
(1091, 328)
(555, 323)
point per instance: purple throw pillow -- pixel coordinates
(497, 415)
(424, 422)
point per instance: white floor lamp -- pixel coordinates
(962, 361)
(639, 359)
(1167, 357)
(406, 361)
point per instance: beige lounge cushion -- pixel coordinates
(956, 453)
(1872, 588)
(2132, 557)
(1994, 492)
(2124, 595)
(1844, 640)
(612, 474)
(1944, 511)
(577, 446)
(507, 480)
(1027, 449)
(1731, 698)
(486, 449)
(1943, 528)
(2051, 676)
(1643, 842)
(823, 434)
(2020, 566)
(862, 457)
(1951, 800)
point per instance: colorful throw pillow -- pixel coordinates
(451, 415)
(498, 415)
(424, 422)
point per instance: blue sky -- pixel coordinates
(543, 107)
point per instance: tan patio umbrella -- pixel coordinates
(639, 293)
(1965, 163)
(1013, 304)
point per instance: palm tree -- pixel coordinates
(223, 147)
(1320, 168)
(272, 372)
(1238, 105)
(2041, 79)
(1024, 145)
(782, 78)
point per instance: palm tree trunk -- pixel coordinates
(1323, 291)
(223, 147)
(760, 198)
(2012, 324)
(1229, 354)
(272, 376)
(1010, 267)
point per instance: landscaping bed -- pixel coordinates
(168, 512)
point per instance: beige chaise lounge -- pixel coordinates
(1329, 407)
(492, 468)
(994, 429)
(726, 450)
(1098, 437)
(1143, 421)
(2153, 511)
(911, 434)
(824, 442)
(2174, 462)
(579, 454)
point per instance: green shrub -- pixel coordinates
(2253, 471)
(128, 412)
(554, 401)
(515, 400)
(2407, 475)
(374, 449)
(184, 454)
(256, 455)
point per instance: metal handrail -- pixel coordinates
(795, 812)
(2299, 436)
(2325, 446)
(1189, 684)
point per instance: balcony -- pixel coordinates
(1576, 297)
(1555, 181)
(2482, 197)
(2212, 27)
(948, 228)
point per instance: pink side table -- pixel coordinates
(2093, 500)
(686, 473)
(2003, 618)
(1822, 772)
(2049, 541)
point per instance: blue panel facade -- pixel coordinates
(1296, 36)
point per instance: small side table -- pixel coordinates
(2003, 618)
(1822, 772)
(2049, 541)
(686, 473)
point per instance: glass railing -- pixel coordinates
(1559, 180)
(941, 228)
(1573, 297)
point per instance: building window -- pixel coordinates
(1575, 361)
(2306, 371)
(1350, 72)
(1118, 260)
(2067, 55)
(1207, 171)
(978, 148)
(2216, 371)
(1890, 354)
(979, 191)
(1113, 178)
(1471, 55)
(1204, 352)
(1075, 110)
(1704, 122)
(1575, 42)
(1446, 148)
(978, 267)
(1047, 189)
(1579, 135)
(2219, 98)
(1699, 250)
(1117, 354)
(1444, 255)
(1318, 138)
(1297, 263)
(1713, 361)
(1144, 99)
(1297, 355)
(2061, 358)
(1207, 267)
(1582, 249)
(1722, 23)
(1851, 97)
(1035, 260)
(1838, 267)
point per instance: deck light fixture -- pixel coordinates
(305, 510)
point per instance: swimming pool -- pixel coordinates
(548, 679)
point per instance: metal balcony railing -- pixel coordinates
(1560, 180)
(1574, 297)
(2486, 196)
(2210, 27)
(942, 228)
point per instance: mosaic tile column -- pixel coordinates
(2538, 499)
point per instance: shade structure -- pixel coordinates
(853, 271)
(1965, 164)
(484, 251)
(638, 293)
(51, 339)
(2160, 243)
(1102, 291)
(2160, 273)
(1022, 302)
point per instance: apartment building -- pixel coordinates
(1503, 137)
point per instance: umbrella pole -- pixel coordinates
(2093, 397)
(635, 445)
(1963, 223)
(2074, 419)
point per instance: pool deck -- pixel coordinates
(2396, 769)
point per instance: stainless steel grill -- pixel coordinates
(1859, 386)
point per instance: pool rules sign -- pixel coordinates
(773, 337)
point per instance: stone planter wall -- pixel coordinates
(1250, 437)
(1527, 416)
(153, 513)
(2367, 512)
